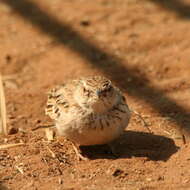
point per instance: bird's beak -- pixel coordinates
(98, 93)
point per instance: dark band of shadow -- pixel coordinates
(110, 65)
(180, 8)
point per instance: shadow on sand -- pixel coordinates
(2, 187)
(179, 7)
(135, 144)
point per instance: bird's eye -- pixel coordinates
(86, 92)
(106, 84)
(109, 89)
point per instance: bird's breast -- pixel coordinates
(91, 128)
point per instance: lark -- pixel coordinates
(88, 111)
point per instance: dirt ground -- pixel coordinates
(142, 46)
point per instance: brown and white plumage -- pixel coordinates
(88, 111)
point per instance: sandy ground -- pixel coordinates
(142, 46)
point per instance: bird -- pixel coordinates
(88, 111)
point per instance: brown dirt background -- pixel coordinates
(142, 46)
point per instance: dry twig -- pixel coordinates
(142, 119)
(45, 126)
(49, 134)
(3, 122)
(5, 146)
(52, 153)
(19, 169)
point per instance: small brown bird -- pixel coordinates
(88, 111)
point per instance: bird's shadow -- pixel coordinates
(134, 144)
(2, 187)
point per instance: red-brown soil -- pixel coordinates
(142, 46)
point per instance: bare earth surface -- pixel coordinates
(142, 46)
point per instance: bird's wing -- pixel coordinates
(60, 99)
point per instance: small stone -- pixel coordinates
(13, 130)
(85, 23)
(8, 58)
(186, 181)
(148, 179)
(117, 172)
(38, 121)
(11, 84)
(60, 181)
(160, 178)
